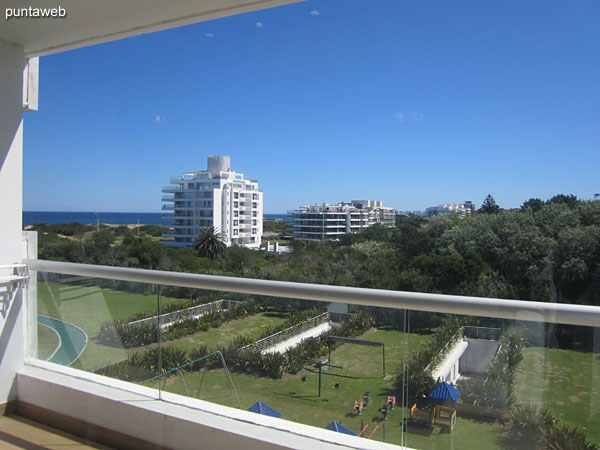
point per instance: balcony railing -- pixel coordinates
(66, 289)
(174, 188)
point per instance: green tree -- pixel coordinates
(569, 200)
(489, 206)
(209, 243)
(98, 248)
(533, 204)
(240, 259)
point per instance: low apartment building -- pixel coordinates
(463, 209)
(326, 221)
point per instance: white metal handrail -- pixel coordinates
(193, 312)
(451, 304)
(18, 274)
(283, 335)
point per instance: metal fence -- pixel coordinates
(288, 333)
(337, 318)
(193, 312)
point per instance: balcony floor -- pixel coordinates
(19, 432)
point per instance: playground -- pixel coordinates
(296, 396)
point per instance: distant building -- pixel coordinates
(217, 197)
(463, 209)
(325, 221)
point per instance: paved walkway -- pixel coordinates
(293, 341)
(72, 340)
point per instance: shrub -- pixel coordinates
(541, 428)
(414, 376)
(121, 335)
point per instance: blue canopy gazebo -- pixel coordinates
(260, 408)
(336, 426)
(444, 391)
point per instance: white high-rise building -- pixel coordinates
(217, 197)
(318, 222)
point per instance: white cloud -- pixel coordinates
(159, 119)
(408, 116)
(314, 13)
(210, 35)
(258, 25)
(415, 115)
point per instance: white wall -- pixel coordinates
(218, 210)
(259, 222)
(12, 332)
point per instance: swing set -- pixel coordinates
(179, 371)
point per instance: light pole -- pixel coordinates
(97, 222)
(138, 227)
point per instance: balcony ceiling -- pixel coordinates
(95, 21)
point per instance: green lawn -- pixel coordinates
(251, 326)
(297, 400)
(48, 341)
(87, 305)
(567, 382)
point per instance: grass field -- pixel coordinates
(298, 401)
(567, 382)
(87, 305)
(251, 326)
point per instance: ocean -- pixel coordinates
(116, 218)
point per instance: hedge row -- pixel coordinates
(121, 335)
(143, 365)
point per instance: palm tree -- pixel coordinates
(209, 243)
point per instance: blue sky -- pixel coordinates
(412, 103)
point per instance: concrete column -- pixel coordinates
(12, 317)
